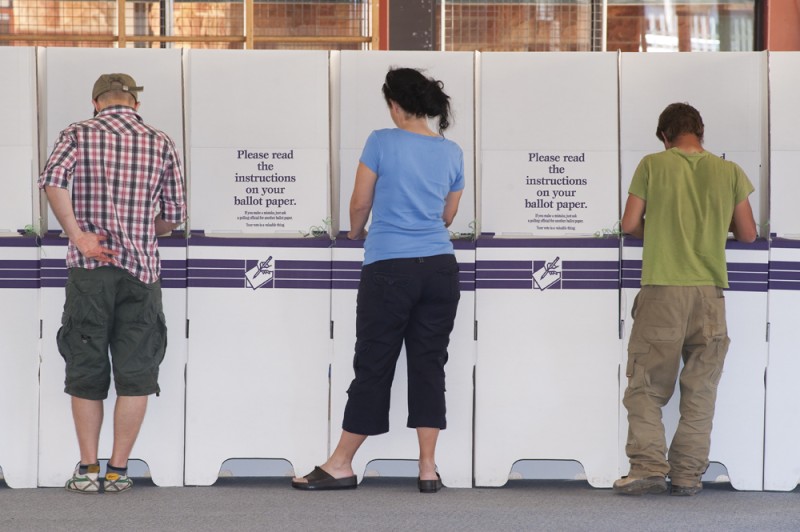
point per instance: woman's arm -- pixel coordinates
(361, 201)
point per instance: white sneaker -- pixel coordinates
(116, 483)
(86, 483)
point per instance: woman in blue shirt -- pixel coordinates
(411, 179)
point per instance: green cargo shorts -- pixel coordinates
(109, 309)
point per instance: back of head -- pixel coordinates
(418, 95)
(679, 119)
(116, 89)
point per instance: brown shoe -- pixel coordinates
(632, 485)
(685, 491)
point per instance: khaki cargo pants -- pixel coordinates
(671, 323)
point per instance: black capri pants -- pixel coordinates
(402, 300)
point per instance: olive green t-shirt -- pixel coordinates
(689, 206)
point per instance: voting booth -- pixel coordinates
(19, 360)
(782, 430)
(547, 289)
(729, 91)
(781, 455)
(66, 77)
(454, 447)
(259, 259)
(161, 439)
(19, 269)
(356, 81)
(546, 377)
(737, 437)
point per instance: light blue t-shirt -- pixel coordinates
(415, 175)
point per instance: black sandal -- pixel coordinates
(320, 480)
(430, 486)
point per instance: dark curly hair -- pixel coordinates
(677, 119)
(418, 95)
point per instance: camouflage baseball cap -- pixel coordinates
(119, 82)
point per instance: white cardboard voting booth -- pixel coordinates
(784, 85)
(356, 81)
(19, 270)
(737, 439)
(454, 447)
(259, 352)
(19, 360)
(66, 77)
(259, 306)
(730, 93)
(549, 168)
(781, 455)
(546, 378)
(161, 439)
(782, 416)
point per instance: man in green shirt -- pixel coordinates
(692, 199)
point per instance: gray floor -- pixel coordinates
(392, 503)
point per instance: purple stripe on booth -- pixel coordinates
(504, 265)
(54, 263)
(591, 265)
(19, 274)
(300, 283)
(241, 282)
(589, 285)
(346, 265)
(302, 274)
(632, 283)
(346, 275)
(303, 264)
(748, 267)
(495, 284)
(503, 274)
(59, 282)
(216, 263)
(173, 274)
(173, 283)
(20, 283)
(784, 265)
(199, 273)
(784, 285)
(747, 287)
(748, 277)
(785, 243)
(344, 285)
(20, 264)
(589, 274)
(783, 275)
(19, 242)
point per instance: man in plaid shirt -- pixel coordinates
(127, 188)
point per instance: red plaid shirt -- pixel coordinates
(123, 173)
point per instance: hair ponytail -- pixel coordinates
(418, 95)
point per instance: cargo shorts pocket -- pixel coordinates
(83, 321)
(636, 350)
